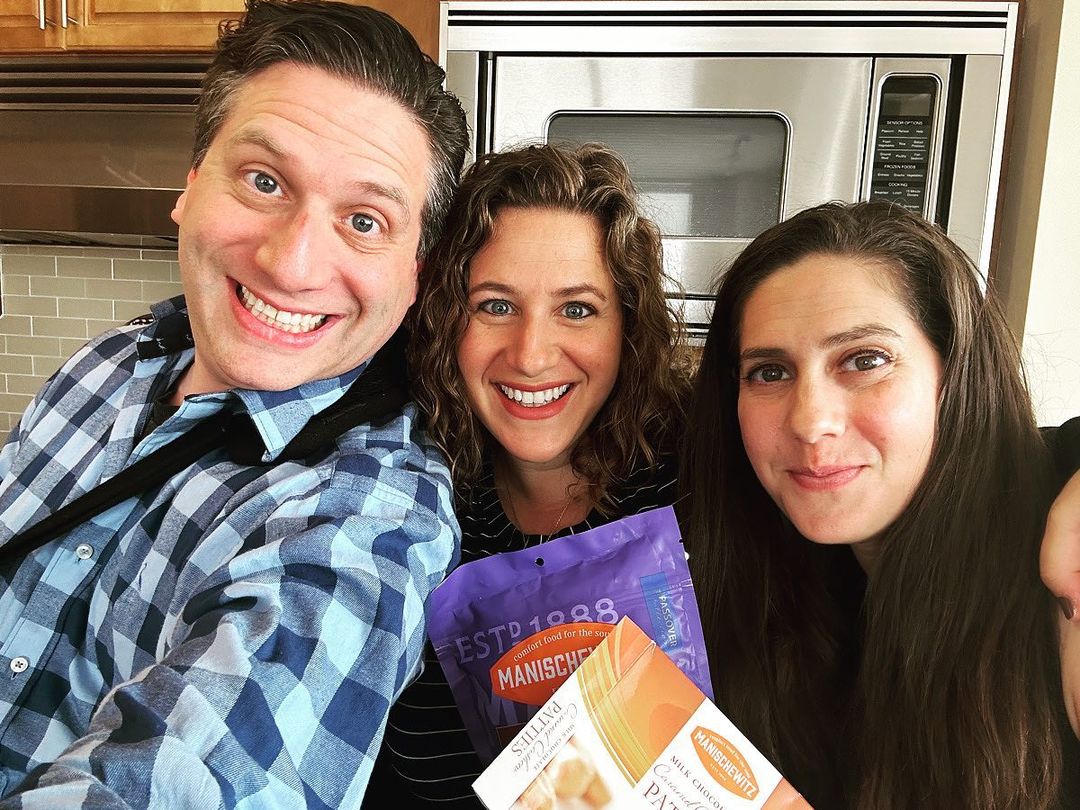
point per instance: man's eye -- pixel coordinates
(264, 182)
(362, 223)
(496, 306)
(767, 374)
(576, 311)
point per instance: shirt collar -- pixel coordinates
(278, 415)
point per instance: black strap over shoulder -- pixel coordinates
(379, 392)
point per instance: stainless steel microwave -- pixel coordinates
(735, 115)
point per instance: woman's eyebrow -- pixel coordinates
(860, 332)
(563, 292)
(762, 353)
(856, 333)
(491, 286)
(579, 289)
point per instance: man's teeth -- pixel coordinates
(534, 399)
(292, 322)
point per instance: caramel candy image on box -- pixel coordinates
(540, 795)
(597, 793)
(571, 775)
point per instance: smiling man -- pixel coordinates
(299, 231)
(236, 635)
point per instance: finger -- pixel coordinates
(1059, 557)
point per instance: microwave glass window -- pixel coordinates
(712, 175)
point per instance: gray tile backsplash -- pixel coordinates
(55, 298)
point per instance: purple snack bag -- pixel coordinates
(510, 628)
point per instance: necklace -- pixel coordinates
(558, 520)
(554, 526)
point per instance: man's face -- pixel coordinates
(299, 231)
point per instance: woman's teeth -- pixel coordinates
(292, 322)
(534, 399)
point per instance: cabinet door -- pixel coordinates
(146, 25)
(160, 25)
(30, 25)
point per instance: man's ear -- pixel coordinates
(178, 209)
(416, 280)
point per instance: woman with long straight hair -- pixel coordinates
(866, 556)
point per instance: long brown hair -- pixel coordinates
(950, 699)
(649, 395)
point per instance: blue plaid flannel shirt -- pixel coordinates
(234, 639)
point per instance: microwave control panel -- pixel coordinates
(902, 141)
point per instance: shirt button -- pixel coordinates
(84, 551)
(19, 664)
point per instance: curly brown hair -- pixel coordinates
(647, 403)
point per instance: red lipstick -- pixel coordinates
(519, 411)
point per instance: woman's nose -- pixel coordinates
(817, 410)
(534, 348)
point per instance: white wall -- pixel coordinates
(1039, 263)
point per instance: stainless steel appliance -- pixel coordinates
(735, 115)
(95, 150)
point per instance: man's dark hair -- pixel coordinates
(354, 43)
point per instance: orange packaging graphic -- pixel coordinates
(626, 730)
(531, 670)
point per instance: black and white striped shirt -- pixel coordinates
(426, 758)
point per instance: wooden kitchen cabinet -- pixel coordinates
(156, 26)
(146, 25)
(22, 27)
(112, 25)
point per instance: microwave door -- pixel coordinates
(720, 148)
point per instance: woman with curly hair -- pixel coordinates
(554, 376)
(866, 563)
